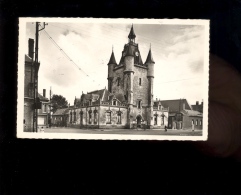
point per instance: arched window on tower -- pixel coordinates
(139, 104)
(139, 81)
(118, 81)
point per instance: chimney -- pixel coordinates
(30, 48)
(44, 92)
(197, 103)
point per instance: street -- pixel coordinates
(174, 132)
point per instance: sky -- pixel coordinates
(178, 52)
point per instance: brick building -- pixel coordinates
(30, 71)
(198, 107)
(128, 101)
(181, 115)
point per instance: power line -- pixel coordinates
(66, 55)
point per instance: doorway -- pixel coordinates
(138, 118)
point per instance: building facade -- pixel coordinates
(61, 117)
(128, 101)
(43, 111)
(198, 107)
(181, 115)
(30, 80)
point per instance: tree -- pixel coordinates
(58, 101)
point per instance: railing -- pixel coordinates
(105, 103)
(163, 109)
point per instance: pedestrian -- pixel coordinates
(165, 128)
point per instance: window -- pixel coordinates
(108, 117)
(81, 117)
(196, 122)
(155, 119)
(114, 102)
(90, 119)
(119, 117)
(162, 120)
(139, 81)
(90, 103)
(70, 117)
(95, 116)
(74, 116)
(118, 81)
(44, 108)
(139, 104)
(200, 122)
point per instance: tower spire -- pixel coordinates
(149, 58)
(112, 57)
(132, 35)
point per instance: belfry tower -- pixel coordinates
(132, 82)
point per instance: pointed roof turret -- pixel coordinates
(112, 58)
(132, 34)
(149, 58)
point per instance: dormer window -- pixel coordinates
(114, 102)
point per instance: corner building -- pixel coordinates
(128, 102)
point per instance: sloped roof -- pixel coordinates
(96, 95)
(149, 58)
(112, 59)
(192, 113)
(42, 98)
(197, 107)
(157, 103)
(27, 58)
(132, 33)
(120, 97)
(61, 111)
(175, 105)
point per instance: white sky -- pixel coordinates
(178, 52)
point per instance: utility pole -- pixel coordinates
(36, 68)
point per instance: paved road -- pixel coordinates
(125, 131)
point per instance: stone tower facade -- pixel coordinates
(131, 81)
(128, 101)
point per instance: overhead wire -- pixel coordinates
(67, 56)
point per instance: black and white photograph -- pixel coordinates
(121, 79)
